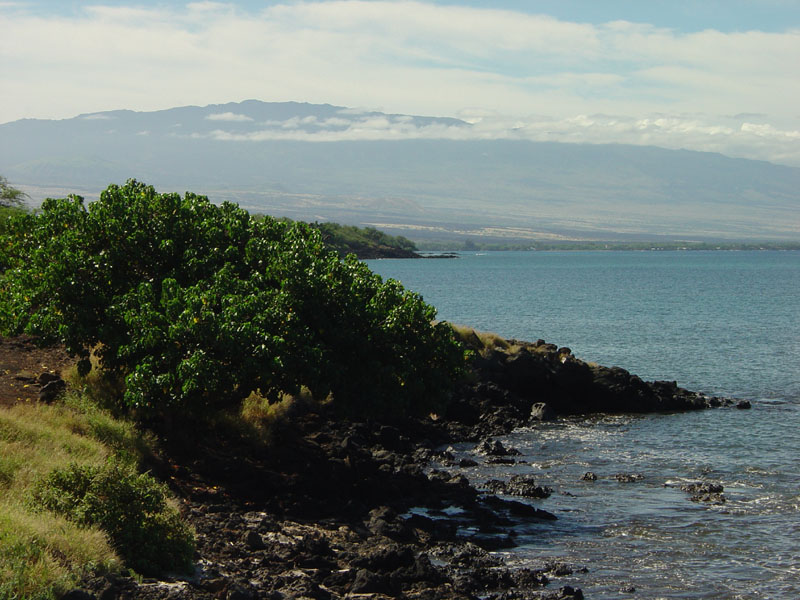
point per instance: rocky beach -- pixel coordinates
(346, 509)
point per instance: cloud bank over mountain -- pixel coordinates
(744, 135)
(325, 162)
(511, 74)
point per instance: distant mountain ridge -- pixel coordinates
(417, 176)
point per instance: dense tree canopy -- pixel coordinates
(197, 305)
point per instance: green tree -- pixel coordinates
(197, 305)
(10, 196)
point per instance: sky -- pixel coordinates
(716, 75)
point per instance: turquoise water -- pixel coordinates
(719, 322)
(725, 322)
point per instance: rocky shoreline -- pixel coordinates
(344, 509)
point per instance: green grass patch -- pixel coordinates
(131, 507)
(43, 552)
(43, 555)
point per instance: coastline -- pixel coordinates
(354, 509)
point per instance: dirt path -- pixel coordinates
(21, 364)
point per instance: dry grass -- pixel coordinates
(43, 555)
(267, 418)
(484, 342)
(259, 421)
(98, 386)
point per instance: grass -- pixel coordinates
(43, 555)
(100, 387)
(483, 342)
(259, 421)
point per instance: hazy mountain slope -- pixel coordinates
(257, 153)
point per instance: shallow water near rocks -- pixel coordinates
(724, 323)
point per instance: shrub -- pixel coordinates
(130, 507)
(198, 305)
(42, 554)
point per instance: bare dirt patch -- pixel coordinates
(22, 362)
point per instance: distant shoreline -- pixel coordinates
(612, 247)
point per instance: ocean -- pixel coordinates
(718, 322)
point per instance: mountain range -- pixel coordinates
(423, 177)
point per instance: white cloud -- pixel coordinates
(207, 6)
(756, 141)
(413, 57)
(335, 122)
(228, 116)
(97, 117)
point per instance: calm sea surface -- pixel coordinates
(725, 323)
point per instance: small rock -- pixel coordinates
(490, 447)
(46, 378)
(240, 590)
(439, 476)
(743, 404)
(703, 487)
(525, 485)
(628, 477)
(25, 376)
(589, 476)
(705, 491)
(496, 486)
(558, 569)
(213, 585)
(501, 460)
(253, 540)
(570, 593)
(52, 390)
(369, 583)
(78, 594)
(541, 411)
(467, 462)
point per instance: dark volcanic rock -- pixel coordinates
(628, 477)
(52, 390)
(705, 491)
(519, 509)
(78, 594)
(522, 485)
(518, 485)
(490, 447)
(541, 411)
(253, 540)
(566, 593)
(337, 509)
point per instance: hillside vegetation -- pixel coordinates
(182, 311)
(73, 504)
(196, 305)
(365, 242)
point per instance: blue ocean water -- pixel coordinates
(725, 323)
